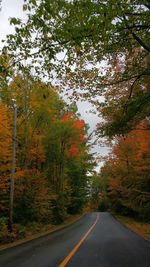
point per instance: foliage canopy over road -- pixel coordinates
(100, 47)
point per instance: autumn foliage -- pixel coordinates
(127, 173)
(50, 143)
(5, 154)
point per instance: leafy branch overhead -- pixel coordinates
(90, 46)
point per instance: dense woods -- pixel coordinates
(124, 180)
(101, 52)
(52, 155)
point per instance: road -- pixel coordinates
(96, 240)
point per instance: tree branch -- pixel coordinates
(137, 38)
(137, 27)
(140, 42)
(137, 78)
(126, 79)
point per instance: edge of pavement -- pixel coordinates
(130, 228)
(41, 234)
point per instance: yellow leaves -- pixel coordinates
(115, 184)
(5, 134)
(20, 173)
(5, 154)
(135, 147)
(35, 104)
(36, 150)
(46, 140)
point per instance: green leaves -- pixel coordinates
(52, 154)
(25, 7)
(15, 21)
(33, 2)
(104, 47)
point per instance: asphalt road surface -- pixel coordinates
(96, 240)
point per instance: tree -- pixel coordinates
(38, 105)
(66, 164)
(52, 157)
(127, 173)
(113, 39)
(5, 157)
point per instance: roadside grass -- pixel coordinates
(140, 228)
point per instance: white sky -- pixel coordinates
(13, 8)
(10, 8)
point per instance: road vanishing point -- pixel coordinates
(95, 240)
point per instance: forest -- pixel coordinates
(52, 156)
(96, 52)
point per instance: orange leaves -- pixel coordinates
(5, 154)
(134, 146)
(20, 173)
(67, 118)
(79, 124)
(73, 151)
(46, 141)
(82, 138)
(35, 104)
(76, 137)
(76, 123)
(36, 150)
(128, 171)
(5, 134)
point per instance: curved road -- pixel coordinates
(96, 240)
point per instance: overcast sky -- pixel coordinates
(13, 8)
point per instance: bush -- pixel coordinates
(3, 229)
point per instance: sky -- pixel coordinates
(13, 8)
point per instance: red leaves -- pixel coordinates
(79, 124)
(82, 138)
(76, 123)
(77, 134)
(73, 151)
(67, 117)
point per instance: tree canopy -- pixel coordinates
(96, 46)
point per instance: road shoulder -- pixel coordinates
(53, 228)
(142, 229)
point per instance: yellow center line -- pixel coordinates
(70, 255)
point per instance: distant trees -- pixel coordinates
(127, 173)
